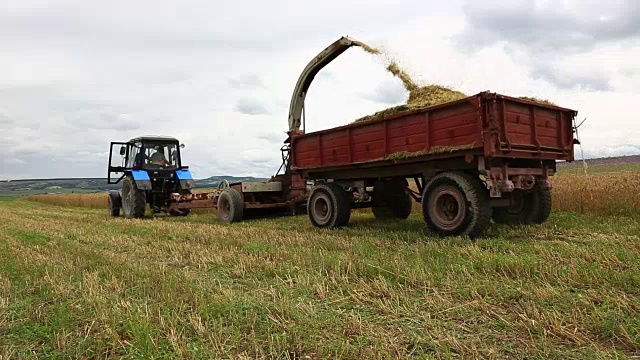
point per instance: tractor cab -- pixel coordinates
(154, 155)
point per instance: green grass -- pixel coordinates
(75, 283)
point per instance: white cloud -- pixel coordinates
(219, 76)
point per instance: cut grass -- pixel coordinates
(76, 283)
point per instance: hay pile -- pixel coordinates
(535, 99)
(419, 96)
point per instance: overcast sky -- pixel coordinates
(219, 74)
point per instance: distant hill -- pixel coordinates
(94, 184)
(626, 159)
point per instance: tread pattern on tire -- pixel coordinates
(536, 210)
(236, 205)
(341, 204)
(544, 206)
(477, 197)
(139, 198)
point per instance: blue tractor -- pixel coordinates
(151, 172)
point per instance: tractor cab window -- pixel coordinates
(160, 156)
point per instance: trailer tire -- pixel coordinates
(134, 200)
(328, 206)
(230, 206)
(391, 199)
(456, 204)
(115, 203)
(543, 209)
(532, 207)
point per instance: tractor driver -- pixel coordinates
(158, 157)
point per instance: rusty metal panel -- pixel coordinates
(261, 186)
(497, 125)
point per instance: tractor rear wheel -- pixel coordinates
(134, 200)
(328, 206)
(391, 199)
(230, 206)
(456, 204)
(115, 203)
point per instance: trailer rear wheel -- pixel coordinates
(134, 200)
(230, 206)
(519, 212)
(543, 209)
(456, 204)
(328, 206)
(528, 208)
(391, 199)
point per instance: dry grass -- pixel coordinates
(433, 150)
(75, 283)
(98, 200)
(535, 99)
(600, 193)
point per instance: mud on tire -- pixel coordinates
(456, 204)
(328, 206)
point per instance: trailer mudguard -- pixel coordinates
(142, 179)
(185, 178)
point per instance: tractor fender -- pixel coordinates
(142, 179)
(116, 198)
(185, 178)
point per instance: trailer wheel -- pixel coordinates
(115, 203)
(543, 209)
(328, 206)
(456, 204)
(230, 206)
(528, 208)
(519, 212)
(134, 200)
(391, 199)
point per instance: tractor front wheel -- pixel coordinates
(134, 200)
(230, 206)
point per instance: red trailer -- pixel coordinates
(486, 156)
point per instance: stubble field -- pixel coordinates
(75, 283)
